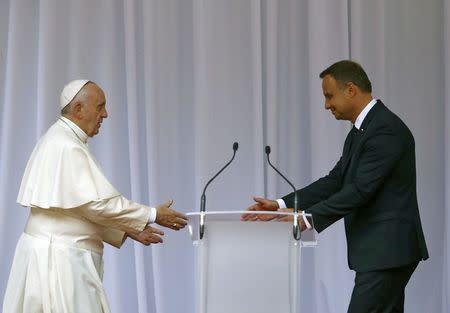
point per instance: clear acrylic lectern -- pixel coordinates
(247, 266)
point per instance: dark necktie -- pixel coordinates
(355, 136)
(350, 141)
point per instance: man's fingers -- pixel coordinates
(253, 207)
(267, 217)
(156, 231)
(178, 218)
(260, 200)
(264, 204)
(246, 217)
(181, 215)
(249, 216)
(253, 217)
(175, 224)
(180, 222)
(152, 238)
(155, 239)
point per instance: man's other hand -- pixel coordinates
(290, 218)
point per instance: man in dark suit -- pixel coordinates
(373, 187)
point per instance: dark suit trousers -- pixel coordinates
(380, 291)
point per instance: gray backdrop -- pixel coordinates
(184, 79)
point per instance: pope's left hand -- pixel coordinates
(148, 236)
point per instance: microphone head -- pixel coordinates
(235, 146)
(267, 149)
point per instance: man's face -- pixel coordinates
(94, 109)
(337, 99)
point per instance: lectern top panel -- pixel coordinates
(236, 215)
(233, 218)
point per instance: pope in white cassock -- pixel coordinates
(58, 264)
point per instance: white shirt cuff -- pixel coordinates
(152, 217)
(282, 205)
(308, 225)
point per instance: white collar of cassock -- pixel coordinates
(74, 127)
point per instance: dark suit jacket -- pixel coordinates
(374, 190)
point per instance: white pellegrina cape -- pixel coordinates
(62, 173)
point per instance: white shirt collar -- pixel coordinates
(77, 130)
(363, 114)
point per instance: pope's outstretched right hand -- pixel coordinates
(167, 217)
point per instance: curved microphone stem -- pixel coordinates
(203, 197)
(226, 165)
(296, 230)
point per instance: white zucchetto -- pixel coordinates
(70, 91)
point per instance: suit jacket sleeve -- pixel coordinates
(318, 190)
(379, 155)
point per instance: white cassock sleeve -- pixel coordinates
(117, 215)
(114, 237)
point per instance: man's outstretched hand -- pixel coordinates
(167, 217)
(261, 204)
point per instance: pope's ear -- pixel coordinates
(77, 110)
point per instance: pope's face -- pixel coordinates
(94, 109)
(337, 99)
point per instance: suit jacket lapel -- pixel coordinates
(346, 153)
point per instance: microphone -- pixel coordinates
(296, 229)
(203, 197)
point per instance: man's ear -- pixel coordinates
(77, 110)
(351, 89)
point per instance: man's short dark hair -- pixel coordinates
(346, 71)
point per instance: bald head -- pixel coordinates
(87, 109)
